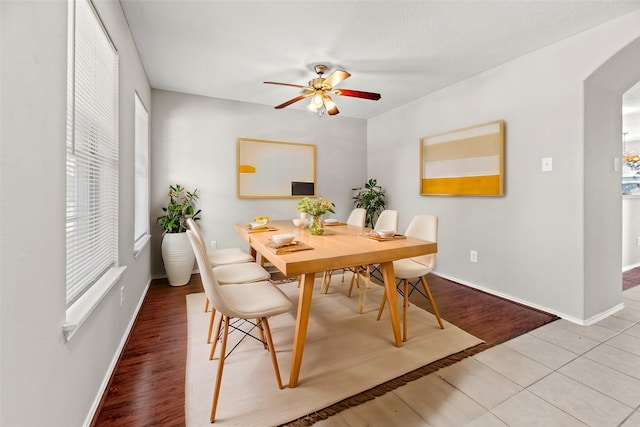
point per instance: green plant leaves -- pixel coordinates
(180, 207)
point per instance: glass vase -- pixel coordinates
(317, 225)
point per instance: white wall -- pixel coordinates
(193, 143)
(45, 381)
(529, 242)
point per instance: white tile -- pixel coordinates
(626, 342)
(386, 410)
(513, 365)
(584, 403)
(633, 420)
(595, 332)
(633, 293)
(438, 402)
(632, 299)
(544, 352)
(479, 382)
(566, 339)
(487, 420)
(608, 381)
(528, 410)
(615, 323)
(614, 358)
(628, 314)
(633, 330)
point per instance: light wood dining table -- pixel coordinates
(341, 246)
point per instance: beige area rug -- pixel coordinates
(345, 354)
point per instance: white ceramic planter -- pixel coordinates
(178, 258)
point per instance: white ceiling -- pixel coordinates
(401, 49)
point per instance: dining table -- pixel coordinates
(341, 246)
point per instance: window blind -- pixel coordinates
(141, 178)
(92, 152)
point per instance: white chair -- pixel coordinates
(356, 218)
(423, 227)
(241, 272)
(218, 257)
(256, 300)
(387, 220)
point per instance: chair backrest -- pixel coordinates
(357, 217)
(209, 282)
(206, 272)
(193, 226)
(388, 220)
(424, 227)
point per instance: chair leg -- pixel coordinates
(382, 303)
(261, 332)
(206, 305)
(272, 351)
(355, 278)
(433, 303)
(326, 281)
(213, 314)
(405, 309)
(215, 342)
(362, 292)
(223, 350)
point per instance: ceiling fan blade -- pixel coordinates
(291, 101)
(336, 77)
(284, 84)
(357, 94)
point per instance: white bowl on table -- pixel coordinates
(298, 222)
(283, 239)
(386, 233)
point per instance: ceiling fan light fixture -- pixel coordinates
(319, 88)
(317, 99)
(330, 106)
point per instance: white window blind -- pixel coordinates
(92, 152)
(141, 175)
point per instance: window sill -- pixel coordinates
(140, 244)
(84, 306)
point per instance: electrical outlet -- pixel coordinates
(473, 256)
(121, 296)
(214, 244)
(638, 241)
(547, 164)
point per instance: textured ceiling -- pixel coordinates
(401, 49)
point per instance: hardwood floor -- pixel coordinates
(147, 387)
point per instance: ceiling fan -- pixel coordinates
(320, 88)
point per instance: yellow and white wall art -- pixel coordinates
(464, 162)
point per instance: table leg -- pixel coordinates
(302, 321)
(392, 295)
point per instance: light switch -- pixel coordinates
(547, 164)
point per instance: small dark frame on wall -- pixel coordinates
(275, 169)
(464, 162)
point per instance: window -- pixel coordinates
(141, 177)
(92, 164)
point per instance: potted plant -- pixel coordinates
(315, 209)
(177, 253)
(371, 198)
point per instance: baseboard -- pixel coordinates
(595, 319)
(630, 267)
(114, 362)
(583, 322)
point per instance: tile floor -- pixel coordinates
(561, 374)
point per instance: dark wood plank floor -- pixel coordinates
(147, 387)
